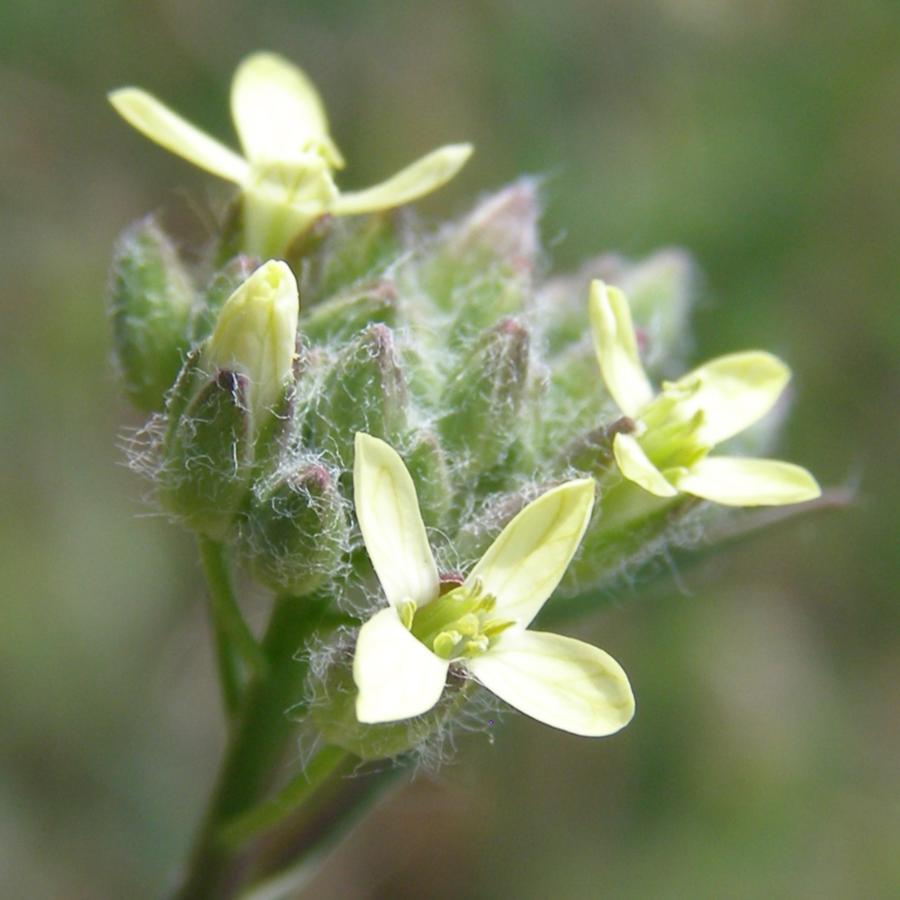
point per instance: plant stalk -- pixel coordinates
(257, 746)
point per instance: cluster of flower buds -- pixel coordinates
(420, 423)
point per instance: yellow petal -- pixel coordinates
(277, 111)
(735, 481)
(616, 348)
(387, 509)
(423, 176)
(734, 392)
(156, 121)
(558, 681)
(635, 466)
(526, 562)
(397, 676)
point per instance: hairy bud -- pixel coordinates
(484, 396)
(363, 391)
(150, 303)
(343, 316)
(295, 531)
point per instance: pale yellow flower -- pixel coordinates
(403, 652)
(285, 174)
(668, 452)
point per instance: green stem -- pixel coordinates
(285, 803)
(257, 746)
(229, 669)
(233, 637)
(294, 860)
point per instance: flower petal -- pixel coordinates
(423, 176)
(387, 509)
(277, 111)
(156, 121)
(616, 348)
(397, 676)
(635, 466)
(734, 481)
(734, 392)
(557, 680)
(525, 563)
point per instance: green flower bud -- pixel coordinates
(363, 391)
(484, 397)
(220, 287)
(295, 532)
(207, 456)
(480, 269)
(356, 249)
(427, 463)
(150, 303)
(256, 335)
(504, 227)
(341, 317)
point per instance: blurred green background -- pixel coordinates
(764, 137)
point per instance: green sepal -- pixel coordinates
(484, 396)
(364, 390)
(592, 451)
(150, 299)
(295, 531)
(333, 711)
(190, 379)
(207, 457)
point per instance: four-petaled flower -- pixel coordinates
(286, 171)
(675, 429)
(403, 652)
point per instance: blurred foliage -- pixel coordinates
(763, 136)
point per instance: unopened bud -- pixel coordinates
(356, 248)
(256, 335)
(485, 397)
(505, 226)
(295, 531)
(341, 317)
(150, 301)
(364, 391)
(208, 452)
(427, 464)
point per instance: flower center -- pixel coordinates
(671, 428)
(303, 180)
(457, 625)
